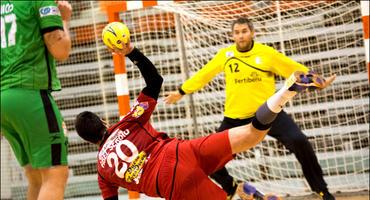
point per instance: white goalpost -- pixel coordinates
(326, 36)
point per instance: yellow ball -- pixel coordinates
(115, 34)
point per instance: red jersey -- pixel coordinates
(128, 149)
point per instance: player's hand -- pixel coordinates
(126, 49)
(65, 9)
(172, 97)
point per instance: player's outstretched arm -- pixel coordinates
(245, 137)
(151, 76)
(58, 41)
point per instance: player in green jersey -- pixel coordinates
(251, 66)
(33, 35)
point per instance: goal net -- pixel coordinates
(326, 36)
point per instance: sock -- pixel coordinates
(276, 102)
(267, 113)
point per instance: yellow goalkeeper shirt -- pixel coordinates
(249, 77)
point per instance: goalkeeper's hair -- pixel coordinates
(90, 127)
(242, 20)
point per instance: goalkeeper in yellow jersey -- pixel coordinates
(251, 66)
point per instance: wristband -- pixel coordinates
(181, 91)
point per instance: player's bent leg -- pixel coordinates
(34, 182)
(222, 176)
(212, 153)
(54, 181)
(196, 159)
(245, 137)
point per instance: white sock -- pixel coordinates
(279, 99)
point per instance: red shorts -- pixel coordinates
(184, 171)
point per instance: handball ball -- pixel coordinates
(115, 34)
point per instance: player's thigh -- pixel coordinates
(245, 137)
(212, 152)
(36, 119)
(182, 178)
(16, 141)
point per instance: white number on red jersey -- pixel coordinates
(119, 156)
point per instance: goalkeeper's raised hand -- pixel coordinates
(173, 97)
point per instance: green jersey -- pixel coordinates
(25, 60)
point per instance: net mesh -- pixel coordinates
(180, 38)
(327, 37)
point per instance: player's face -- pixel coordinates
(243, 37)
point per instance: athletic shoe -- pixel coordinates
(301, 81)
(325, 195)
(247, 191)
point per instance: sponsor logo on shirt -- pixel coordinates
(139, 109)
(49, 10)
(229, 54)
(135, 169)
(253, 77)
(258, 60)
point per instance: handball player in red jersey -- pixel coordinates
(135, 156)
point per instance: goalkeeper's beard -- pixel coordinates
(244, 48)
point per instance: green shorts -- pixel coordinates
(33, 125)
